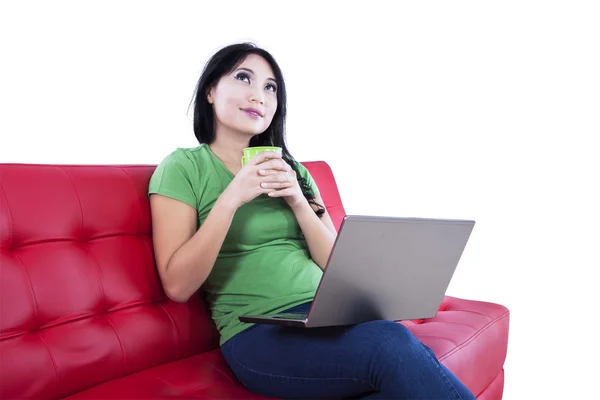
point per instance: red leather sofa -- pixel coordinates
(83, 314)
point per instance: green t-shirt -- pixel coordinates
(264, 265)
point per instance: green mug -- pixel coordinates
(250, 152)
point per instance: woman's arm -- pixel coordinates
(319, 232)
(184, 256)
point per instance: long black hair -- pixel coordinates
(223, 62)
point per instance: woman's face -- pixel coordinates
(246, 100)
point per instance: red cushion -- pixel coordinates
(203, 376)
(81, 305)
(469, 337)
(323, 176)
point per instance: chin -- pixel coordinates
(252, 131)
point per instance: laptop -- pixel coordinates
(382, 268)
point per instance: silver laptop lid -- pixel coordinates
(388, 268)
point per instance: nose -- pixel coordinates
(257, 96)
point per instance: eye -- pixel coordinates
(242, 76)
(271, 87)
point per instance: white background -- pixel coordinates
(436, 109)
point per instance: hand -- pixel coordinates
(246, 185)
(283, 180)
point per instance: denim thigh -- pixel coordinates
(338, 362)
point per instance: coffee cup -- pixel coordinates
(250, 152)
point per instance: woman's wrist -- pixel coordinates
(227, 202)
(301, 206)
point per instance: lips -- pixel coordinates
(252, 112)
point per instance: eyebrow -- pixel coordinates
(252, 72)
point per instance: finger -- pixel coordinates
(277, 164)
(267, 172)
(263, 156)
(276, 185)
(272, 175)
(265, 191)
(281, 193)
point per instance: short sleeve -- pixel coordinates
(174, 178)
(303, 172)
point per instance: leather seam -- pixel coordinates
(81, 243)
(112, 235)
(426, 336)
(221, 373)
(120, 344)
(97, 267)
(78, 198)
(454, 323)
(471, 312)
(158, 378)
(475, 336)
(139, 232)
(35, 307)
(10, 224)
(152, 261)
(130, 179)
(177, 339)
(491, 382)
(53, 364)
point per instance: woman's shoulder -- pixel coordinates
(185, 158)
(178, 174)
(182, 161)
(183, 154)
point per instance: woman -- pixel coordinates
(257, 238)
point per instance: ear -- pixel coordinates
(209, 95)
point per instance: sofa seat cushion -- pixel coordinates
(469, 337)
(202, 376)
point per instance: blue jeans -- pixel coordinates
(372, 360)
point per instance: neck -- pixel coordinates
(229, 147)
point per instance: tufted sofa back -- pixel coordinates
(80, 299)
